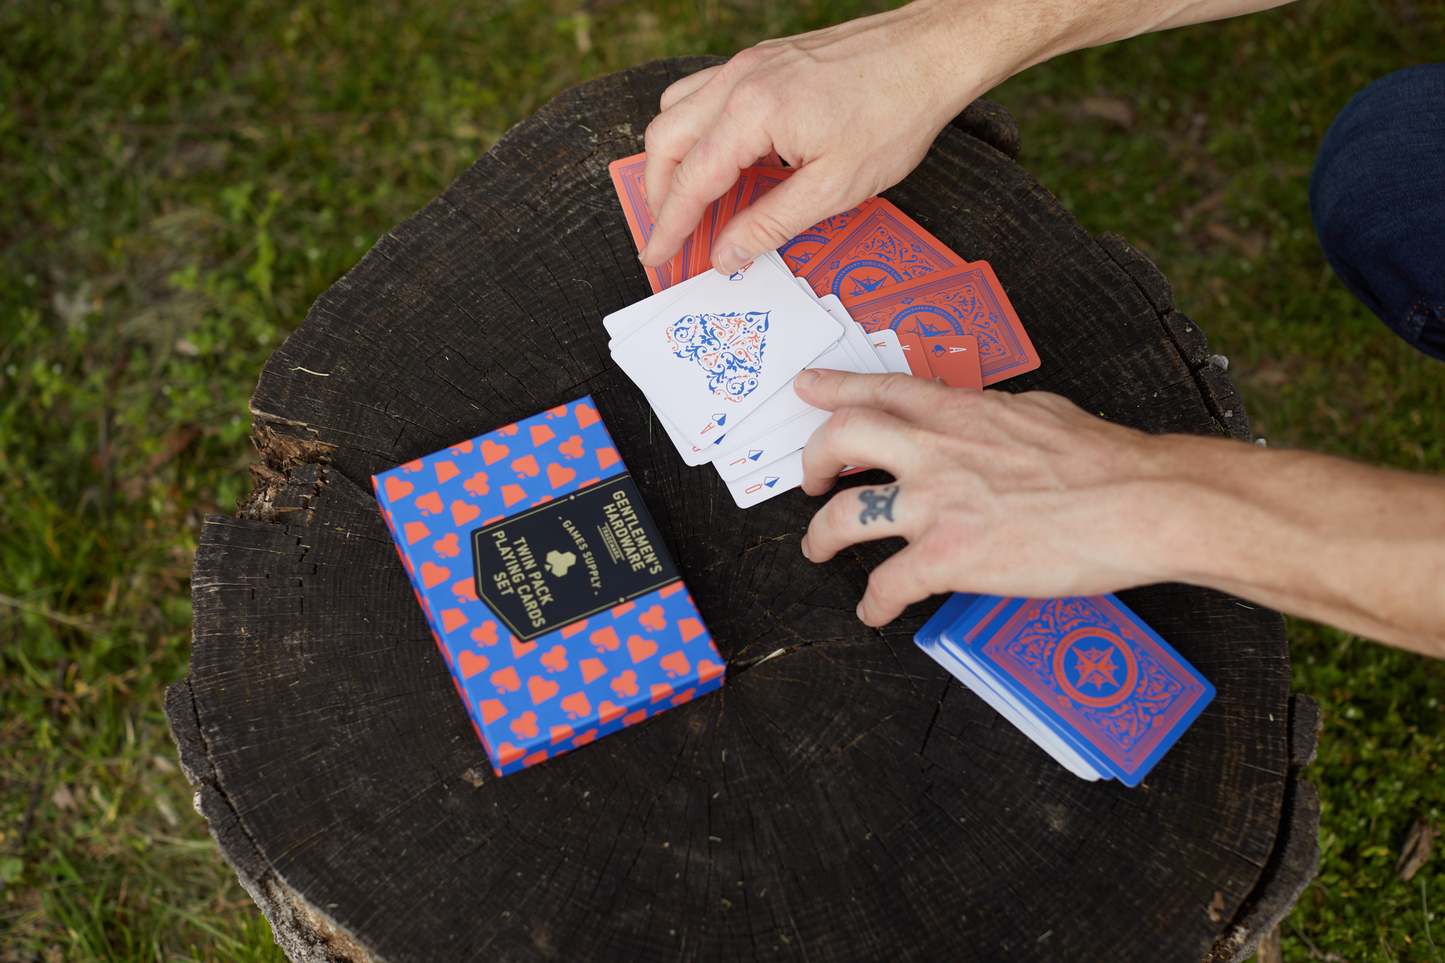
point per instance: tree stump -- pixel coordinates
(841, 798)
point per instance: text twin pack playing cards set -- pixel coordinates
(547, 588)
(546, 584)
(868, 291)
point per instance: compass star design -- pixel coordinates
(1096, 667)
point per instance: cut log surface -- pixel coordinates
(841, 798)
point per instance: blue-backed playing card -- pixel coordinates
(1086, 670)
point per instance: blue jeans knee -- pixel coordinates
(1377, 196)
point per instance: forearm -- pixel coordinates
(1003, 37)
(1358, 547)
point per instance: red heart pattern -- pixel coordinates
(434, 575)
(559, 475)
(541, 689)
(493, 452)
(531, 700)
(640, 648)
(469, 663)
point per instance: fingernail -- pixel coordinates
(859, 611)
(806, 379)
(729, 259)
(804, 546)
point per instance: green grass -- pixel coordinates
(182, 180)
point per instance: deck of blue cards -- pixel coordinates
(546, 585)
(1085, 678)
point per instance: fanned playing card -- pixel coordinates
(879, 248)
(627, 180)
(913, 353)
(954, 358)
(967, 300)
(803, 248)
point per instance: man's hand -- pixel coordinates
(995, 493)
(1026, 495)
(853, 108)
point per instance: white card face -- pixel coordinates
(786, 405)
(890, 352)
(758, 486)
(854, 334)
(619, 323)
(719, 351)
(691, 454)
(777, 442)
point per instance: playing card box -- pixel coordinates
(546, 585)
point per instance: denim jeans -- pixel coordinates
(1377, 196)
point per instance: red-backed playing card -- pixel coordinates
(917, 358)
(966, 300)
(627, 180)
(954, 358)
(879, 248)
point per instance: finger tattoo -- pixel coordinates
(877, 504)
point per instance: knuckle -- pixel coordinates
(890, 586)
(685, 185)
(764, 227)
(839, 511)
(894, 386)
(747, 59)
(843, 423)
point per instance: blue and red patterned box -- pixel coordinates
(546, 585)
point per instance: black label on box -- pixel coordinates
(570, 558)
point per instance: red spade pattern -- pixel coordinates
(533, 700)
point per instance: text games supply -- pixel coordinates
(546, 585)
(1085, 678)
(716, 356)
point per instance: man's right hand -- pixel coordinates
(852, 108)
